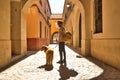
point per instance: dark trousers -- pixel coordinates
(62, 51)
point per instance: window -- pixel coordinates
(98, 16)
(40, 29)
(45, 31)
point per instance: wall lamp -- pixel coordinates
(69, 5)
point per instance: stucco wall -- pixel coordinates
(5, 42)
(18, 28)
(34, 40)
(54, 27)
(106, 50)
(32, 23)
(105, 46)
(81, 7)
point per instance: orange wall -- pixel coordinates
(54, 27)
(34, 41)
(32, 23)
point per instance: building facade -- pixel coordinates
(38, 25)
(95, 28)
(17, 31)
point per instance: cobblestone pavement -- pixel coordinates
(77, 68)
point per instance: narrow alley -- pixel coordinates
(77, 68)
(89, 28)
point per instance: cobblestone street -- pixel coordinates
(77, 68)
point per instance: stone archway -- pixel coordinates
(55, 37)
(18, 25)
(82, 7)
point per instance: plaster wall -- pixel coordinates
(36, 36)
(5, 42)
(18, 28)
(32, 23)
(54, 27)
(105, 46)
(81, 7)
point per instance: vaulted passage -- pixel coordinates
(27, 25)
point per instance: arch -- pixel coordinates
(82, 7)
(18, 27)
(55, 37)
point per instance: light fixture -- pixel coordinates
(68, 5)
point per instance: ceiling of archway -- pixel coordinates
(28, 3)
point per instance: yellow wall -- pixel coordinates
(36, 37)
(54, 27)
(5, 41)
(72, 20)
(105, 46)
(32, 25)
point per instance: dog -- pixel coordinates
(49, 54)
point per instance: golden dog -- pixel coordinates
(49, 54)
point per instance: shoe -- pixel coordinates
(60, 61)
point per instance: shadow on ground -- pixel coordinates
(66, 73)
(110, 73)
(47, 67)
